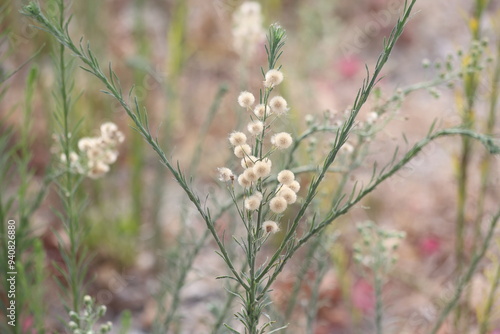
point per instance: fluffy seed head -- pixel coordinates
(86, 143)
(286, 177)
(278, 204)
(97, 169)
(242, 150)
(243, 181)
(288, 194)
(278, 105)
(261, 110)
(268, 161)
(248, 161)
(294, 185)
(282, 140)
(261, 169)
(246, 99)
(347, 148)
(255, 128)
(237, 138)
(270, 226)
(273, 78)
(73, 157)
(225, 174)
(109, 156)
(250, 175)
(372, 117)
(253, 202)
(110, 133)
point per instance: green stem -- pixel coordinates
(342, 136)
(464, 281)
(489, 304)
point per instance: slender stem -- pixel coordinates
(464, 281)
(342, 135)
(341, 210)
(484, 326)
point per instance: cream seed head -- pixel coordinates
(261, 110)
(97, 169)
(294, 185)
(278, 204)
(73, 157)
(237, 138)
(288, 194)
(250, 175)
(282, 140)
(255, 127)
(242, 150)
(270, 226)
(225, 174)
(286, 177)
(110, 133)
(268, 161)
(246, 99)
(372, 117)
(253, 202)
(87, 143)
(109, 156)
(347, 148)
(278, 105)
(261, 169)
(273, 78)
(248, 161)
(243, 181)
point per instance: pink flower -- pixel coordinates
(430, 245)
(349, 66)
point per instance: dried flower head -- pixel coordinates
(261, 169)
(248, 161)
(282, 140)
(278, 105)
(243, 181)
(225, 174)
(268, 161)
(247, 28)
(278, 204)
(242, 150)
(372, 117)
(250, 174)
(294, 185)
(246, 99)
(109, 156)
(286, 177)
(110, 133)
(97, 169)
(273, 78)
(255, 127)
(99, 152)
(87, 143)
(347, 148)
(270, 226)
(288, 194)
(253, 202)
(237, 138)
(261, 110)
(73, 157)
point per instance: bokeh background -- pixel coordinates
(177, 54)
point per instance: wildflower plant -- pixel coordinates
(376, 252)
(260, 191)
(84, 320)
